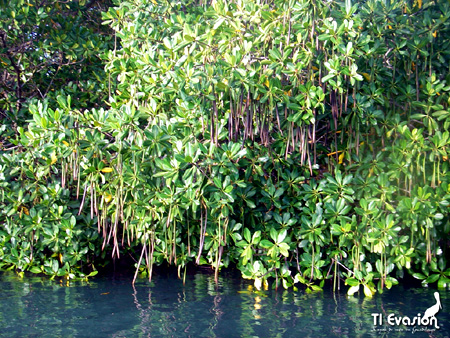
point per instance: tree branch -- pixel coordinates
(3, 37)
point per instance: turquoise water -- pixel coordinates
(112, 307)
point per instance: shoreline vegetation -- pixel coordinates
(299, 141)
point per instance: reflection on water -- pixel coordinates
(37, 307)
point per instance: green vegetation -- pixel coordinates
(299, 140)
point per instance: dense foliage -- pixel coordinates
(300, 140)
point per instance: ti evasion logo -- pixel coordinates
(428, 318)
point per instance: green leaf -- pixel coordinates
(379, 266)
(352, 282)
(358, 275)
(418, 275)
(250, 204)
(217, 182)
(35, 269)
(367, 291)
(55, 266)
(266, 244)
(431, 279)
(93, 273)
(256, 237)
(328, 77)
(352, 290)
(281, 235)
(273, 234)
(443, 282)
(247, 235)
(316, 288)
(218, 23)
(284, 249)
(390, 281)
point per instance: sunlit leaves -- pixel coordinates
(281, 138)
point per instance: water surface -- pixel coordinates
(112, 307)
